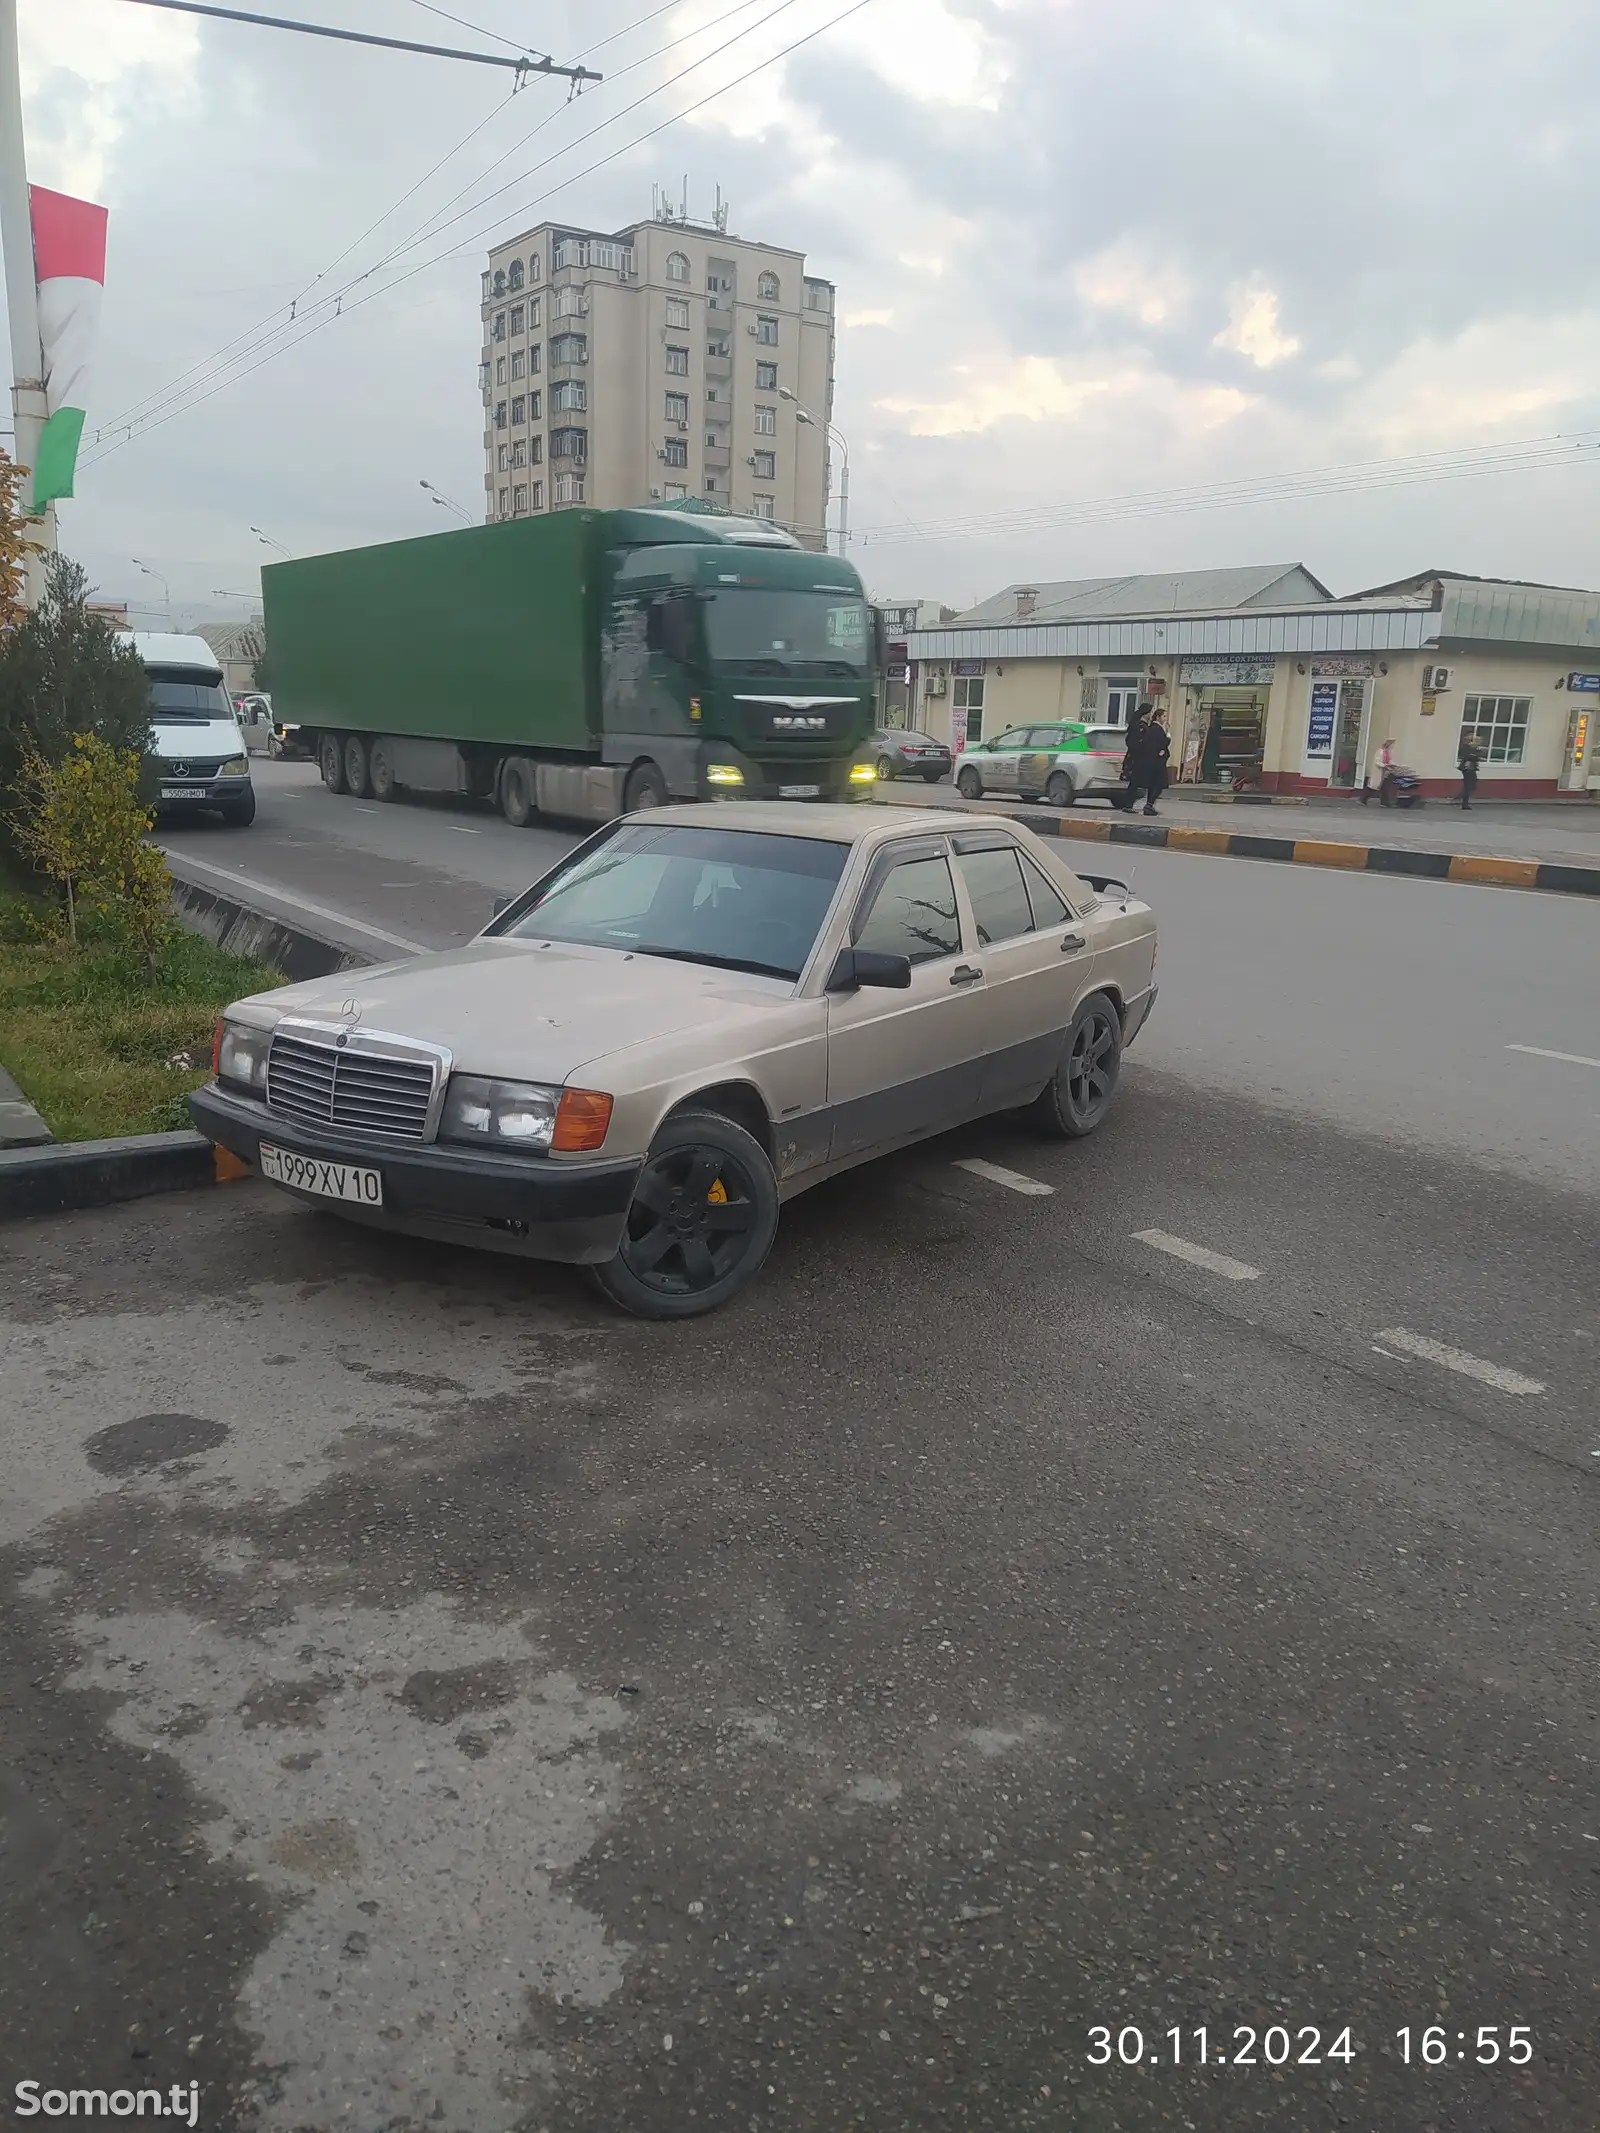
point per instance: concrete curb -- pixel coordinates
(20, 1124)
(1506, 873)
(252, 919)
(73, 1174)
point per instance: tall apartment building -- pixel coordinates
(669, 360)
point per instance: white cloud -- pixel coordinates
(82, 61)
(884, 317)
(1038, 389)
(1128, 279)
(1252, 329)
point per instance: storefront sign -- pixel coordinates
(968, 666)
(1221, 673)
(1588, 683)
(1324, 708)
(1357, 667)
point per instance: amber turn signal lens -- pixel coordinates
(582, 1117)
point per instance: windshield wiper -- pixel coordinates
(722, 962)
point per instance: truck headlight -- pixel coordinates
(724, 774)
(863, 773)
(242, 1054)
(237, 766)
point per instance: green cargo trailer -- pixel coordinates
(583, 664)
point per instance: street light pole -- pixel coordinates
(267, 541)
(166, 589)
(22, 291)
(449, 503)
(832, 429)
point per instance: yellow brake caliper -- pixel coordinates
(717, 1196)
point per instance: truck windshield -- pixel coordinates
(736, 899)
(781, 632)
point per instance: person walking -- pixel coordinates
(1150, 769)
(1468, 757)
(1378, 771)
(1130, 758)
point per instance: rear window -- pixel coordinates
(1106, 740)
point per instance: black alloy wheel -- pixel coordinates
(1078, 1095)
(704, 1213)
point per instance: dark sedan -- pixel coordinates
(901, 753)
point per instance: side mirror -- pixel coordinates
(865, 966)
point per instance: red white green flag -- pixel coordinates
(69, 263)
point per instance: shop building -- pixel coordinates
(1267, 681)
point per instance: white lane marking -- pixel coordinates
(366, 810)
(298, 902)
(1537, 1051)
(1197, 1255)
(997, 1175)
(462, 830)
(1470, 1366)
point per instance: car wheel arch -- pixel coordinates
(739, 1101)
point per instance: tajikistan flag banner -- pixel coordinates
(69, 263)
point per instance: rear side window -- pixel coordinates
(999, 899)
(913, 913)
(1107, 740)
(1049, 906)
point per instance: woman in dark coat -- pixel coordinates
(1130, 758)
(1150, 753)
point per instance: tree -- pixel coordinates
(14, 546)
(82, 823)
(64, 672)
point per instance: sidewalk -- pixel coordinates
(1438, 844)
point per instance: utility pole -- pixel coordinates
(22, 290)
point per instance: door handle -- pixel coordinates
(965, 974)
(1072, 942)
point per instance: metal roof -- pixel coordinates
(1164, 593)
(1478, 610)
(1329, 629)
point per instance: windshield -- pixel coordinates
(773, 632)
(179, 699)
(736, 899)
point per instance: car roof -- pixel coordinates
(837, 823)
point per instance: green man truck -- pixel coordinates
(582, 665)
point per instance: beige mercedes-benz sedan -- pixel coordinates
(696, 1014)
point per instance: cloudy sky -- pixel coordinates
(1093, 256)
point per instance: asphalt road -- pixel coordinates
(430, 1702)
(1419, 1012)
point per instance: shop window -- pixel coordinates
(1499, 725)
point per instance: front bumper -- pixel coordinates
(213, 792)
(535, 1205)
(828, 776)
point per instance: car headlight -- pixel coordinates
(524, 1114)
(237, 766)
(242, 1051)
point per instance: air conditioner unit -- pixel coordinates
(936, 685)
(751, 331)
(655, 495)
(1435, 678)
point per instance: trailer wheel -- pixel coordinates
(330, 760)
(646, 787)
(516, 792)
(355, 766)
(380, 770)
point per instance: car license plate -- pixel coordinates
(329, 1181)
(799, 792)
(183, 792)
